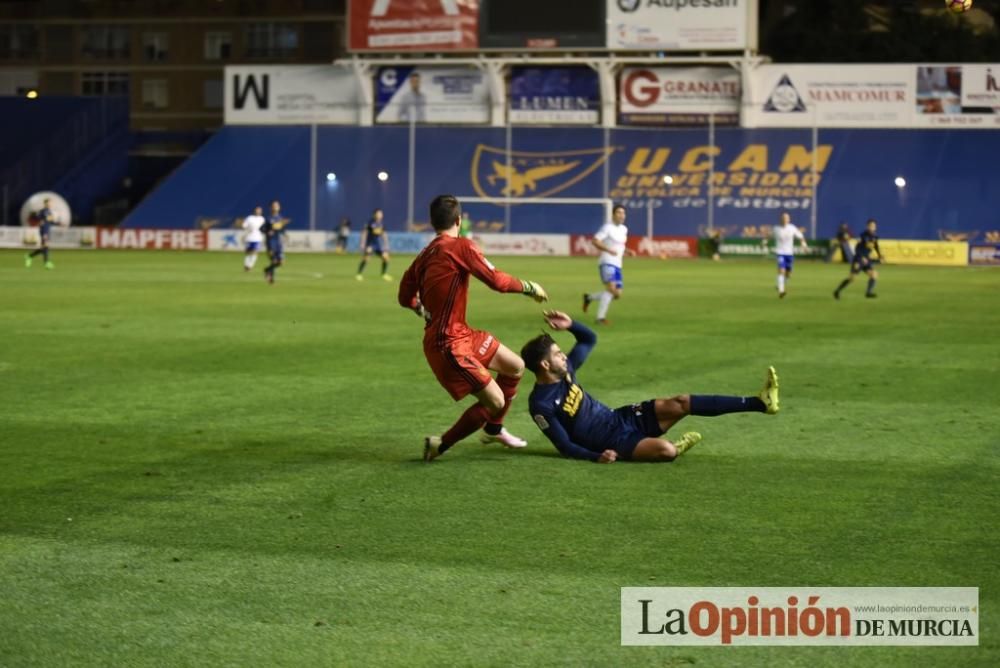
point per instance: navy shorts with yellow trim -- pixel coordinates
(638, 421)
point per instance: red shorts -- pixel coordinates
(462, 367)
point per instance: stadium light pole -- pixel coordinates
(312, 178)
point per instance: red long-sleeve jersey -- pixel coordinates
(439, 278)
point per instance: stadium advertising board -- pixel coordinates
(679, 95)
(957, 96)
(59, 237)
(523, 244)
(554, 95)
(140, 239)
(405, 94)
(681, 25)
(937, 253)
(413, 25)
(290, 95)
(874, 96)
(979, 254)
(658, 246)
(743, 247)
(870, 96)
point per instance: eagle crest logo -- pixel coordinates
(497, 174)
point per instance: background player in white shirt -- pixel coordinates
(784, 247)
(254, 237)
(610, 240)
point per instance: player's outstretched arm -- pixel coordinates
(496, 279)
(585, 337)
(559, 438)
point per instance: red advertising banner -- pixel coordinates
(661, 247)
(113, 237)
(413, 25)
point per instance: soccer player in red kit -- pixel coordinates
(436, 286)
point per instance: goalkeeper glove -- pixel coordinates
(535, 291)
(422, 312)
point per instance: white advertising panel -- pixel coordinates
(290, 95)
(679, 95)
(406, 93)
(681, 25)
(873, 96)
(868, 96)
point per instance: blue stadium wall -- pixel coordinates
(950, 177)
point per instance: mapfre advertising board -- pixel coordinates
(679, 95)
(681, 25)
(413, 25)
(290, 95)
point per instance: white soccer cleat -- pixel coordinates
(504, 438)
(431, 448)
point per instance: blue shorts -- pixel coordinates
(277, 251)
(637, 421)
(253, 246)
(374, 247)
(862, 263)
(611, 274)
(785, 262)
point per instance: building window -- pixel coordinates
(104, 83)
(18, 42)
(106, 42)
(154, 94)
(155, 46)
(271, 40)
(212, 93)
(218, 45)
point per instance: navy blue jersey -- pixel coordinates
(273, 229)
(45, 222)
(866, 245)
(577, 424)
(375, 231)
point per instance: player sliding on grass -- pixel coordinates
(583, 428)
(436, 287)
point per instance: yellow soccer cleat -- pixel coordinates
(769, 394)
(687, 441)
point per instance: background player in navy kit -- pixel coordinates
(583, 428)
(374, 239)
(343, 235)
(865, 253)
(45, 221)
(274, 232)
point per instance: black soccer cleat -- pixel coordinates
(586, 302)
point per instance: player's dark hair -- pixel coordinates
(535, 350)
(445, 210)
(616, 207)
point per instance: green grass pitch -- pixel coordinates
(200, 469)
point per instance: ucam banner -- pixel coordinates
(679, 95)
(413, 25)
(554, 95)
(431, 95)
(682, 25)
(290, 95)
